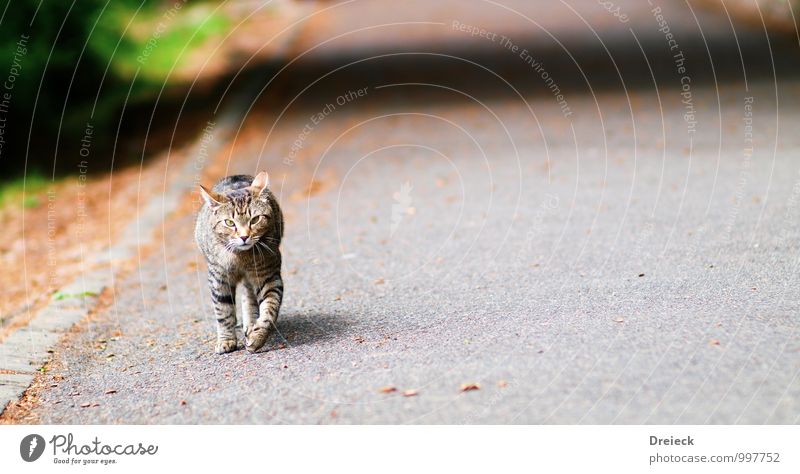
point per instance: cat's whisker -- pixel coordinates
(264, 244)
(230, 245)
(260, 253)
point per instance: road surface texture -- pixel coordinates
(623, 249)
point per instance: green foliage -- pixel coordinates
(153, 42)
(83, 60)
(58, 295)
(26, 189)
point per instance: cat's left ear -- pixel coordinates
(260, 183)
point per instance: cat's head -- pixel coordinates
(241, 218)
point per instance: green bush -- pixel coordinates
(73, 63)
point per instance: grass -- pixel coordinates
(172, 38)
(25, 190)
(60, 295)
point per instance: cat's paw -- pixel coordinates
(256, 338)
(226, 345)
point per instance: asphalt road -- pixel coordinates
(453, 223)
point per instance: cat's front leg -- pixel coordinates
(249, 309)
(223, 300)
(269, 298)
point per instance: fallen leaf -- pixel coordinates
(388, 389)
(466, 387)
(410, 393)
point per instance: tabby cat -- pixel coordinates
(239, 230)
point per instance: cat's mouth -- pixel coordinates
(239, 246)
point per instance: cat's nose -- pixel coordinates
(244, 238)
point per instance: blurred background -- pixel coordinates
(103, 62)
(522, 159)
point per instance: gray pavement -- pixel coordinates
(455, 224)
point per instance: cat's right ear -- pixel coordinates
(211, 198)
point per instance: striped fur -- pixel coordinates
(239, 230)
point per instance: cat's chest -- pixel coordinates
(243, 265)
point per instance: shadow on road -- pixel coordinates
(613, 62)
(308, 329)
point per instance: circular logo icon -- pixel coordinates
(31, 447)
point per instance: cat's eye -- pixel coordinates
(256, 220)
(229, 223)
